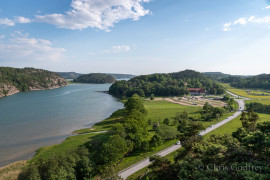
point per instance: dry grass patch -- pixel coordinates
(11, 172)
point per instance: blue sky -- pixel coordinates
(136, 36)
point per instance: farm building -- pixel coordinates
(196, 91)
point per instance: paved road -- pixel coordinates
(144, 163)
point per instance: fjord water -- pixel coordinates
(38, 118)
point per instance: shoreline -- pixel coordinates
(69, 134)
(33, 90)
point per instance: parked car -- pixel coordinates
(178, 143)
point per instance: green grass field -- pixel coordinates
(159, 110)
(70, 144)
(262, 101)
(252, 95)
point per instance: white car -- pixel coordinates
(178, 143)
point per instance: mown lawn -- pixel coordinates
(159, 110)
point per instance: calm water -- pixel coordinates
(34, 119)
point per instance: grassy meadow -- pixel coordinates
(252, 94)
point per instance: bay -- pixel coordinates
(30, 120)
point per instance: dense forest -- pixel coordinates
(95, 78)
(172, 84)
(256, 82)
(219, 75)
(215, 75)
(244, 155)
(13, 80)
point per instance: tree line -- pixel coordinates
(256, 82)
(258, 107)
(172, 84)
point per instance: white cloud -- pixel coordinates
(2, 36)
(96, 14)
(18, 19)
(25, 48)
(267, 7)
(243, 21)
(227, 26)
(122, 48)
(7, 22)
(23, 20)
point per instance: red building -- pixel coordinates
(196, 91)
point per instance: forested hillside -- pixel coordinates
(69, 75)
(121, 76)
(215, 75)
(14, 80)
(172, 84)
(259, 82)
(96, 78)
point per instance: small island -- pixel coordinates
(95, 78)
(14, 80)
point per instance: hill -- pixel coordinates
(69, 75)
(215, 75)
(74, 75)
(172, 84)
(121, 76)
(256, 82)
(95, 78)
(14, 80)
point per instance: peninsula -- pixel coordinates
(14, 80)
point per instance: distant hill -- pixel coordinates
(69, 75)
(219, 75)
(74, 75)
(255, 82)
(121, 76)
(14, 80)
(95, 78)
(215, 75)
(172, 84)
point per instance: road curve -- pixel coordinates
(146, 162)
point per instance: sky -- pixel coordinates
(136, 36)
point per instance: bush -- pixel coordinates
(167, 121)
(167, 132)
